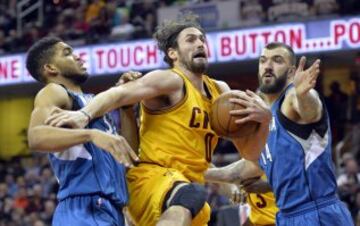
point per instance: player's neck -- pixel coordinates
(195, 78)
(270, 98)
(70, 85)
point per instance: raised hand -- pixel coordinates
(116, 145)
(304, 80)
(128, 76)
(255, 109)
(65, 118)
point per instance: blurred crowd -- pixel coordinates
(27, 192)
(97, 21)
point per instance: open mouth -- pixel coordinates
(199, 55)
(268, 75)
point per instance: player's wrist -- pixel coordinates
(87, 115)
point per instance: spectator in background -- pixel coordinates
(348, 182)
(325, 8)
(3, 46)
(288, 10)
(93, 10)
(337, 104)
(251, 13)
(349, 7)
(11, 185)
(48, 212)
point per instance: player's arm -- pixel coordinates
(250, 147)
(237, 173)
(259, 186)
(303, 100)
(129, 129)
(51, 139)
(151, 85)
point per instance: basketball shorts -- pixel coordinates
(148, 185)
(87, 211)
(327, 211)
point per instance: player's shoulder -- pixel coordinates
(165, 78)
(221, 85)
(52, 93)
(165, 74)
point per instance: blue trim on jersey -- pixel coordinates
(86, 169)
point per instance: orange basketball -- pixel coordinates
(224, 124)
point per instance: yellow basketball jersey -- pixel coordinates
(263, 208)
(181, 137)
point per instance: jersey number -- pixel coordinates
(261, 203)
(208, 139)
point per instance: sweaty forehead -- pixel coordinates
(268, 53)
(190, 31)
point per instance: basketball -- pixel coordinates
(224, 124)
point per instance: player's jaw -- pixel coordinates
(197, 61)
(271, 83)
(77, 73)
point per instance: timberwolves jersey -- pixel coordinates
(297, 160)
(85, 169)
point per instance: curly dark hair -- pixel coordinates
(167, 32)
(40, 54)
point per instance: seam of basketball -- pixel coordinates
(228, 123)
(217, 116)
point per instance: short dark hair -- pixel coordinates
(166, 33)
(275, 45)
(39, 54)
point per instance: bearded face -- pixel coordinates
(270, 83)
(192, 50)
(274, 70)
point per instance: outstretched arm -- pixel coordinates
(237, 173)
(153, 84)
(303, 99)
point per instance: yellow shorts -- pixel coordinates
(148, 185)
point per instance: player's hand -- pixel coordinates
(116, 145)
(65, 118)
(304, 80)
(128, 76)
(256, 186)
(255, 109)
(232, 192)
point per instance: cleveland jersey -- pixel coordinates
(85, 169)
(297, 160)
(181, 137)
(263, 207)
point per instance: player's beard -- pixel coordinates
(195, 67)
(275, 87)
(78, 79)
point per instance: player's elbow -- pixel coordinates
(35, 142)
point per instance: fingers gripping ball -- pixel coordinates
(224, 124)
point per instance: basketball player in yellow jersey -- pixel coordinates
(176, 140)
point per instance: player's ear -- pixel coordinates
(172, 53)
(50, 69)
(291, 71)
